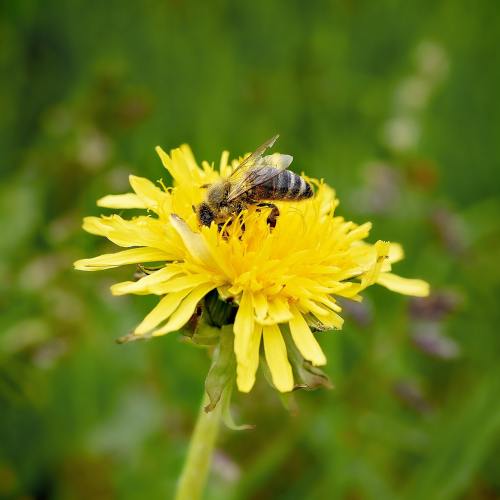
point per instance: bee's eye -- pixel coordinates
(205, 214)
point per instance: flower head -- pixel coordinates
(284, 279)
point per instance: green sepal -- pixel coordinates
(310, 377)
(287, 398)
(205, 335)
(223, 369)
(218, 312)
(227, 417)
(264, 367)
(132, 337)
(289, 402)
(306, 375)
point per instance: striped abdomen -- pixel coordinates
(284, 186)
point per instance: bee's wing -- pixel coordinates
(256, 172)
(259, 174)
(250, 161)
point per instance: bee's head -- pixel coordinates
(217, 194)
(205, 214)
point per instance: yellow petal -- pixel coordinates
(279, 311)
(246, 371)
(331, 321)
(110, 260)
(152, 196)
(175, 165)
(277, 360)
(358, 233)
(304, 339)
(186, 309)
(261, 306)
(396, 253)
(140, 231)
(224, 169)
(180, 283)
(243, 327)
(95, 225)
(128, 200)
(188, 159)
(194, 242)
(371, 276)
(144, 285)
(163, 310)
(315, 308)
(395, 283)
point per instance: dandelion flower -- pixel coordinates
(285, 279)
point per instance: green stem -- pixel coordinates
(194, 473)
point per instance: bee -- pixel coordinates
(257, 180)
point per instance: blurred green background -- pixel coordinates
(394, 103)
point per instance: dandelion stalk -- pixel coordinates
(199, 457)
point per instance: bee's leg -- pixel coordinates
(222, 227)
(271, 218)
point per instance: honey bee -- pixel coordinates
(257, 180)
